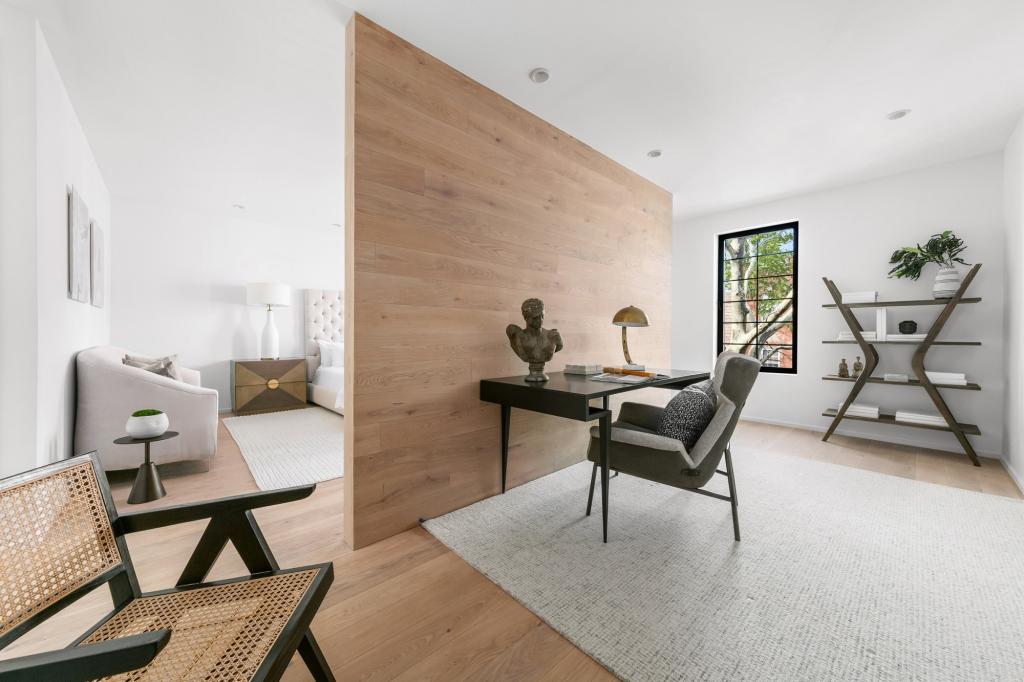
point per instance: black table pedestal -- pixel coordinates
(147, 486)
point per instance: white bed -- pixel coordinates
(325, 319)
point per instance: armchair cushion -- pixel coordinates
(688, 414)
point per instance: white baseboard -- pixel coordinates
(1017, 478)
(897, 440)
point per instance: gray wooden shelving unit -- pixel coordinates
(960, 430)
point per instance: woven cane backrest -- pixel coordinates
(55, 538)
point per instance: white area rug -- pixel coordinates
(842, 574)
(290, 448)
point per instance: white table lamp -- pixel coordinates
(270, 295)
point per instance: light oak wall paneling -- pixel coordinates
(461, 205)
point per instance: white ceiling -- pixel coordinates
(212, 103)
(750, 100)
(206, 103)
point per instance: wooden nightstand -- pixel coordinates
(268, 385)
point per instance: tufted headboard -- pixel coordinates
(325, 321)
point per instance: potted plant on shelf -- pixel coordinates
(944, 250)
(147, 424)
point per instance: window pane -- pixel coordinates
(737, 332)
(780, 241)
(745, 350)
(738, 247)
(778, 334)
(775, 264)
(775, 287)
(779, 356)
(770, 310)
(744, 268)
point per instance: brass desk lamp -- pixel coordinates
(630, 316)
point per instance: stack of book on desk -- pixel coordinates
(589, 368)
(920, 418)
(848, 336)
(862, 410)
(860, 296)
(948, 378)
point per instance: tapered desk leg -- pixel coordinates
(606, 436)
(506, 421)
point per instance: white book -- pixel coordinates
(584, 369)
(897, 378)
(945, 375)
(881, 323)
(860, 296)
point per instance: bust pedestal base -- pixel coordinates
(536, 374)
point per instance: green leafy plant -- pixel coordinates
(944, 249)
(146, 413)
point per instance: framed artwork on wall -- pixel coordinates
(78, 248)
(97, 264)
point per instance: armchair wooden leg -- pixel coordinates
(593, 481)
(314, 659)
(732, 495)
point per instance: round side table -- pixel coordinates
(147, 486)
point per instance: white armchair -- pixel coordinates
(109, 391)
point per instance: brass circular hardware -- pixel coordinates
(273, 383)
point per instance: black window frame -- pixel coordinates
(795, 226)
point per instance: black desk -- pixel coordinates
(569, 396)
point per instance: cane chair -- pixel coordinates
(61, 537)
(637, 449)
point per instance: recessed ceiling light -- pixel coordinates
(540, 75)
(654, 153)
(898, 114)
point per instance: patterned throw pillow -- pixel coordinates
(689, 413)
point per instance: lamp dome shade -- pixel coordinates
(265, 293)
(630, 316)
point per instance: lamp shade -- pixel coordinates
(265, 293)
(630, 316)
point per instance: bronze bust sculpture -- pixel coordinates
(534, 345)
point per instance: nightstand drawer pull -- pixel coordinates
(273, 383)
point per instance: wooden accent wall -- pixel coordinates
(461, 205)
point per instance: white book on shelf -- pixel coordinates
(859, 296)
(881, 323)
(896, 378)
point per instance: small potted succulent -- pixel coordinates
(147, 424)
(944, 250)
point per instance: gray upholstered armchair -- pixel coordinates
(637, 449)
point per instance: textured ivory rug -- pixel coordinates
(842, 574)
(289, 448)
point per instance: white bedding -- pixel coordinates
(327, 382)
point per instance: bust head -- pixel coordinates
(533, 312)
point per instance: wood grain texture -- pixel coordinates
(461, 205)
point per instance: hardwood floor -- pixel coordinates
(407, 608)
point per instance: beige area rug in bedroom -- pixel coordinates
(289, 448)
(842, 574)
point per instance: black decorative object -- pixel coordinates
(908, 327)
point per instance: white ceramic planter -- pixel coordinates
(947, 281)
(150, 426)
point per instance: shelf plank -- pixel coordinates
(915, 343)
(912, 382)
(894, 304)
(970, 429)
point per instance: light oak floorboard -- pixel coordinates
(407, 608)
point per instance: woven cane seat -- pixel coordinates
(55, 538)
(219, 633)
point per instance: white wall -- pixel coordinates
(17, 242)
(847, 234)
(180, 276)
(63, 158)
(44, 151)
(1013, 195)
